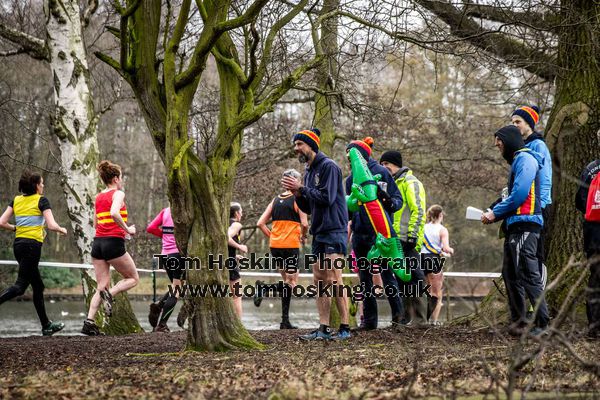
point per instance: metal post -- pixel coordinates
(154, 280)
(448, 315)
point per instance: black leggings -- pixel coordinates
(27, 253)
(169, 302)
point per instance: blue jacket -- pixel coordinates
(536, 143)
(322, 196)
(523, 202)
(360, 220)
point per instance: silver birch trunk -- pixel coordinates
(75, 124)
(74, 121)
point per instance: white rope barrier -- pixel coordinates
(490, 275)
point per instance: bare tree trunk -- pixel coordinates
(208, 232)
(199, 187)
(573, 130)
(326, 105)
(327, 76)
(75, 124)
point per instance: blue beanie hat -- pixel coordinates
(309, 136)
(530, 114)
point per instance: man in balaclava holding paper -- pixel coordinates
(522, 211)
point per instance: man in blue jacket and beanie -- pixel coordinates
(322, 196)
(363, 238)
(523, 214)
(525, 118)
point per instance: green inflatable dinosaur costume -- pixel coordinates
(364, 194)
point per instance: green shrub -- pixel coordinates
(59, 277)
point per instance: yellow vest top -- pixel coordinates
(29, 218)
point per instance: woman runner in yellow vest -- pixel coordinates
(31, 211)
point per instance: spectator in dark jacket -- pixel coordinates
(363, 237)
(322, 196)
(591, 246)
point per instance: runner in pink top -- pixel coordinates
(163, 227)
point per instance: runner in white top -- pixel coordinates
(436, 244)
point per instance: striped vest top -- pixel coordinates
(29, 218)
(432, 242)
(105, 224)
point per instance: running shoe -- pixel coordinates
(365, 328)
(258, 297)
(516, 330)
(287, 325)
(90, 329)
(162, 328)
(52, 328)
(342, 335)
(538, 331)
(316, 335)
(154, 314)
(182, 316)
(107, 302)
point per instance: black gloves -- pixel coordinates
(410, 244)
(386, 200)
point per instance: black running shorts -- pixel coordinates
(286, 259)
(429, 266)
(174, 266)
(108, 248)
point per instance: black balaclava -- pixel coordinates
(511, 137)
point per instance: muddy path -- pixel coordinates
(442, 362)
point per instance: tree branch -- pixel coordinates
(513, 52)
(179, 28)
(31, 45)
(11, 52)
(128, 12)
(298, 100)
(209, 36)
(531, 19)
(231, 63)
(268, 48)
(108, 60)
(316, 89)
(116, 32)
(89, 11)
(243, 19)
(276, 94)
(126, 62)
(253, 65)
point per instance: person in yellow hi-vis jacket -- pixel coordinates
(32, 211)
(409, 223)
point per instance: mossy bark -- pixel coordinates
(199, 185)
(572, 133)
(123, 320)
(327, 76)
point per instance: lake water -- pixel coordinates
(18, 318)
